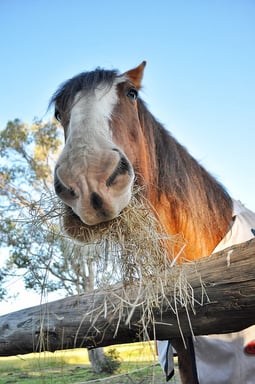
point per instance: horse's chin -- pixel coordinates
(98, 219)
(75, 228)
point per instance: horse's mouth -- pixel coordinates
(77, 220)
(75, 228)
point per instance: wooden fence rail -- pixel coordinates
(225, 302)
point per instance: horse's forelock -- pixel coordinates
(85, 81)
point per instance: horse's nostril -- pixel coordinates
(72, 193)
(61, 189)
(96, 201)
(123, 167)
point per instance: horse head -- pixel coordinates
(94, 174)
(112, 142)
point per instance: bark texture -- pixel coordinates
(223, 289)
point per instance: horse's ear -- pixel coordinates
(135, 75)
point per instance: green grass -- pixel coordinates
(77, 375)
(72, 366)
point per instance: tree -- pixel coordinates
(29, 216)
(25, 181)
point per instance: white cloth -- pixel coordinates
(243, 228)
(165, 357)
(221, 359)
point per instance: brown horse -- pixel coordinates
(112, 142)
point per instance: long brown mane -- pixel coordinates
(187, 198)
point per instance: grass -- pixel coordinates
(138, 365)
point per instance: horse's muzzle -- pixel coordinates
(95, 196)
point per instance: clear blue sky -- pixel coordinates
(199, 81)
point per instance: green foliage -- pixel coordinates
(111, 362)
(29, 213)
(15, 137)
(2, 289)
(30, 151)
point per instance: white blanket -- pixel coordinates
(223, 359)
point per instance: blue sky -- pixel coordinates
(199, 80)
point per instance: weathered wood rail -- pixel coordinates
(99, 318)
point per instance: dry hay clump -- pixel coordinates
(135, 251)
(139, 253)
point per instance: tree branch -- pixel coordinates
(224, 302)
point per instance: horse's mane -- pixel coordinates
(196, 201)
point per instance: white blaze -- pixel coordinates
(90, 115)
(90, 157)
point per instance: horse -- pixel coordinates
(112, 143)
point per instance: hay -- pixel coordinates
(135, 239)
(135, 250)
(140, 254)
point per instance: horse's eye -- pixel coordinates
(57, 115)
(132, 94)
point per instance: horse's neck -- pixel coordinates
(199, 232)
(187, 199)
